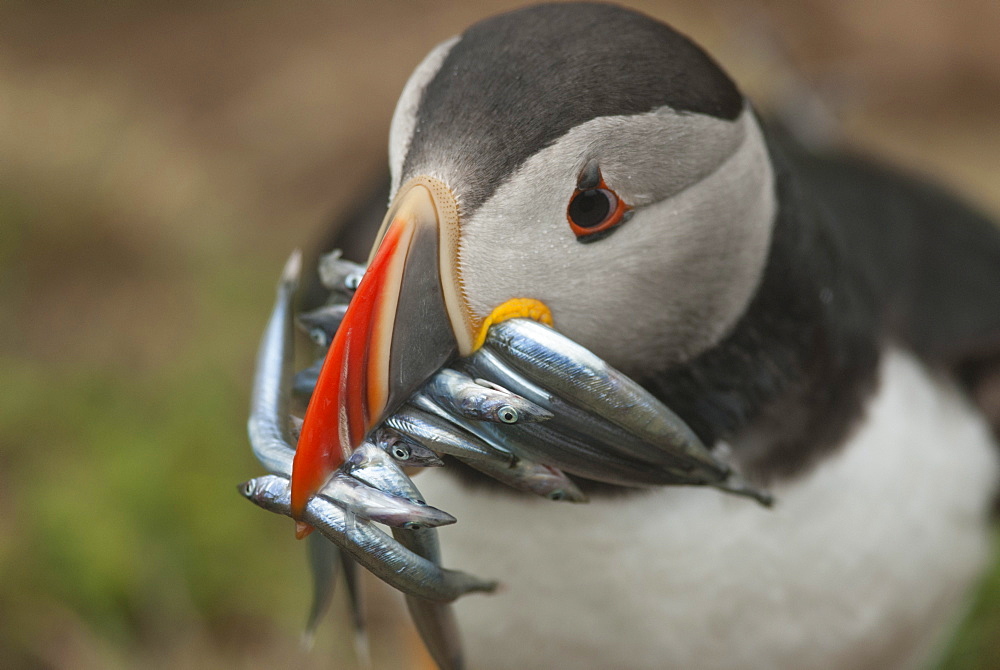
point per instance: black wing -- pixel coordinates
(934, 261)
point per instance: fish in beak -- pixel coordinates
(407, 318)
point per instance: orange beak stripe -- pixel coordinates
(350, 394)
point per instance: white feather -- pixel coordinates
(404, 119)
(864, 563)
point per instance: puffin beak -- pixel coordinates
(406, 319)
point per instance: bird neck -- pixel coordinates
(787, 384)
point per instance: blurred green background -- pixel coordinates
(158, 161)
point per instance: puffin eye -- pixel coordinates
(594, 208)
(589, 209)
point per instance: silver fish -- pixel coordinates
(437, 433)
(356, 601)
(378, 469)
(531, 477)
(579, 456)
(321, 323)
(304, 381)
(577, 375)
(540, 443)
(339, 274)
(521, 472)
(372, 503)
(405, 451)
(324, 564)
(518, 470)
(382, 555)
(604, 394)
(294, 427)
(326, 560)
(461, 394)
(268, 422)
(570, 420)
(434, 621)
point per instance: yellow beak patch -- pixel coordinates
(515, 308)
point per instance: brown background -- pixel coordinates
(158, 161)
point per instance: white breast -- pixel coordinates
(864, 563)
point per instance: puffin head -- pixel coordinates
(576, 162)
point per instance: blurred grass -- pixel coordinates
(156, 166)
(975, 644)
(122, 441)
(119, 475)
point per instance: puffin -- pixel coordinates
(827, 324)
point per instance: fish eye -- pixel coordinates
(558, 494)
(248, 489)
(352, 281)
(420, 502)
(412, 525)
(400, 452)
(318, 336)
(507, 414)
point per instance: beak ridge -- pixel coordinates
(399, 329)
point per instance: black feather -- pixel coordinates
(517, 82)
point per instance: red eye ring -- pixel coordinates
(595, 210)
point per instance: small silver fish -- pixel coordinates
(435, 622)
(572, 421)
(372, 503)
(267, 426)
(326, 560)
(324, 564)
(294, 427)
(519, 470)
(405, 451)
(358, 611)
(376, 468)
(539, 443)
(572, 375)
(437, 433)
(304, 381)
(386, 558)
(461, 394)
(577, 375)
(322, 323)
(529, 476)
(339, 274)
(580, 456)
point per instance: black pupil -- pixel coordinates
(590, 208)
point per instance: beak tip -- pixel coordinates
(302, 530)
